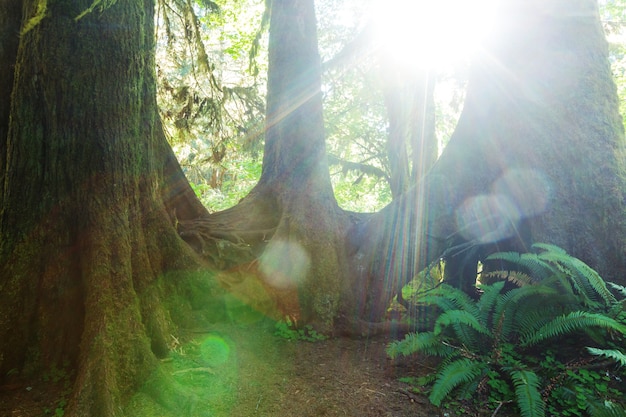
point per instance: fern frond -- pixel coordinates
(619, 288)
(517, 303)
(605, 409)
(530, 262)
(574, 321)
(448, 298)
(614, 354)
(516, 277)
(426, 343)
(535, 318)
(548, 248)
(452, 375)
(527, 393)
(585, 281)
(488, 299)
(465, 327)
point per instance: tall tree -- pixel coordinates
(291, 216)
(538, 154)
(89, 188)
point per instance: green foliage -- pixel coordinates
(288, 329)
(578, 391)
(492, 346)
(552, 266)
(453, 374)
(613, 354)
(527, 393)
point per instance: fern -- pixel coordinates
(495, 335)
(452, 375)
(554, 266)
(456, 318)
(619, 288)
(527, 393)
(488, 299)
(426, 343)
(516, 277)
(576, 320)
(605, 409)
(587, 282)
(614, 354)
(508, 307)
(448, 298)
(536, 267)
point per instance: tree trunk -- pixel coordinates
(9, 40)
(292, 207)
(548, 153)
(88, 205)
(538, 154)
(412, 144)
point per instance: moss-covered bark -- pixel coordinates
(88, 207)
(10, 14)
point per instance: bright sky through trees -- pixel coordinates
(432, 33)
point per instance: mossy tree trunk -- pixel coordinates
(537, 156)
(9, 39)
(86, 206)
(298, 224)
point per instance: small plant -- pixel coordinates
(288, 329)
(493, 346)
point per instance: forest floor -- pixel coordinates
(254, 369)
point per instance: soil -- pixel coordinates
(247, 370)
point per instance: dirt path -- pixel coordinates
(334, 377)
(245, 370)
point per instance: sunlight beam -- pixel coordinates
(431, 33)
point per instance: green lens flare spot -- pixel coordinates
(214, 350)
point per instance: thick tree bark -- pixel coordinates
(549, 147)
(294, 200)
(91, 195)
(10, 17)
(538, 155)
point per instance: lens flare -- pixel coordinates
(284, 264)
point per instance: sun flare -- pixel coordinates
(431, 33)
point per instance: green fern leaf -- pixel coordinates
(448, 298)
(619, 288)
(548, 248)
(465, 327)
(574, 321)
(518, 303)
(426, 343)
(536, 267)
(452, 375)
(584, 280)
(527, 393)
(487, 301)
(605, 409)
(614, 354)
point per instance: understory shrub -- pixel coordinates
(550, 345)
